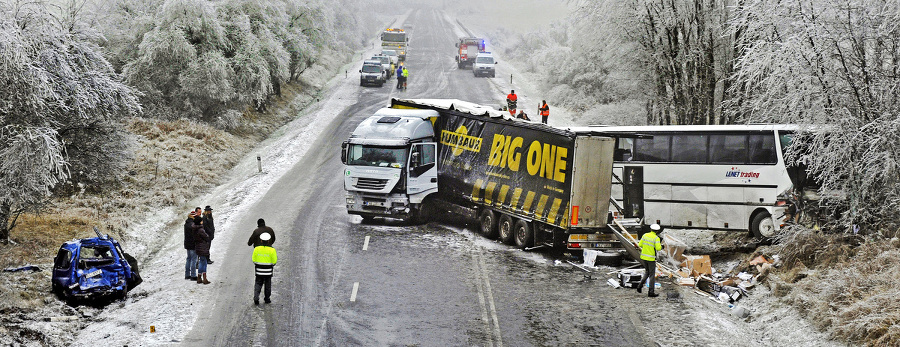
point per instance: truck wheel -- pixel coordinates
(459, 65)
(488, 223)
(506, 227)
(524, 234)
(762, 225)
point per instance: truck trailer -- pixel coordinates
(529, 184)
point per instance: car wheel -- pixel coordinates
(506, 227)
(524, 234)
(492, 75)
(488, 223)
(762, 225)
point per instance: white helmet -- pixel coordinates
(655, 227)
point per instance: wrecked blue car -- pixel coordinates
(94, 268)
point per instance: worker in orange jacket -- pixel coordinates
(545, 111)
(511, 100)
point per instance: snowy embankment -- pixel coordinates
(166, 301)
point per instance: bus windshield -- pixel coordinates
(364, 155)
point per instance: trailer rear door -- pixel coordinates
(591, 177)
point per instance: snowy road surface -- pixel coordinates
(342, 283)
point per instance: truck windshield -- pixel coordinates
(376, 156)
(393, 37)
(371, 68)
(484, 60)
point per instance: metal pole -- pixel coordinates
(259, 162)
(510, 78)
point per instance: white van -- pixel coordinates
(484, 65)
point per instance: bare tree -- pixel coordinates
(833, 64)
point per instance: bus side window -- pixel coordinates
(762, 149)
(727, 149)
(655, 149)
(623, 149)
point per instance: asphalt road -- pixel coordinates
(342, 283)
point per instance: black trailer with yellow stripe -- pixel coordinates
(529, 183)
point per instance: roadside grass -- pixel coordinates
(846, 285)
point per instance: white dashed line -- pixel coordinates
(353, 293)
(366, 244)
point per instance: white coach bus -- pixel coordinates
(725, 177)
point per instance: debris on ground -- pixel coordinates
(22, 268)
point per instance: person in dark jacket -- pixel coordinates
(261, 228)
(190, 264)
(201, 245)
(209, 226)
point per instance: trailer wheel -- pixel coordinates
(488, 223)
(524, 234)
(506, 228)
(762, 225)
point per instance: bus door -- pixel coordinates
(633, 191)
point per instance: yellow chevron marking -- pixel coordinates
(529, 198)
(489, 192)
(476, 190)
(515, 200)
(554, 210)
(542, 202)
(502, 197)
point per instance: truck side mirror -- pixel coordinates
(456, 44)
(344, 153)
(360, 70)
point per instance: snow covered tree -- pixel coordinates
(833, 65)
(60, 106)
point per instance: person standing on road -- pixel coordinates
(255, 241)
(511, 101)
(400, 78)
(209, 226)
(650, 244)
(405, 76)
(190, 264)
(201, 245)
(264, 259)
(545, 111)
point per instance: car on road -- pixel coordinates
(372, 72)
(387, 64)
(94, 268)
(484, 65)
(395, 58)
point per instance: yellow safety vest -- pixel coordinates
(649, 244)
(264, 255)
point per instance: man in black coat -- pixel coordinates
(209, 226)
(261, 228)
(190, 264)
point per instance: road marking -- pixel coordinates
(353, 293)
(366, 244)
(486, 301)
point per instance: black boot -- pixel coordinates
(652, 294)
(640, 285)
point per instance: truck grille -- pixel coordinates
(371, 183)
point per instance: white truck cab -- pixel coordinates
(390, 164)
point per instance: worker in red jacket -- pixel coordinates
(511, 102)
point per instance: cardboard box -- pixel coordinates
(630, 278)
(689, 282)
(698, 264)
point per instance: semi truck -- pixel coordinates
(395, 39)
(467, 49)
(529, 184)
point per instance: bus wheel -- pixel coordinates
(488, 223)
(524, 234)
(762, 225)
(506, 227)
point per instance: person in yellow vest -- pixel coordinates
(264, 259)
(650, 244)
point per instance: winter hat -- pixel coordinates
(260, 222)
(207, 208)
(265, 236)
(192, 214)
